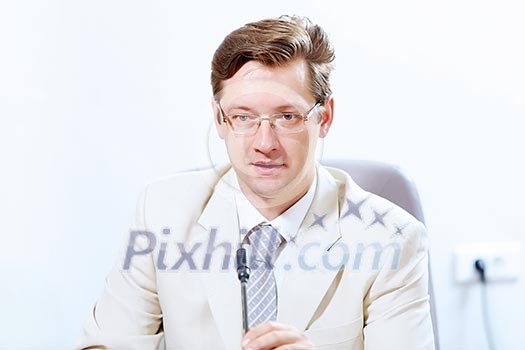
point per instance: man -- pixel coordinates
(333, 267)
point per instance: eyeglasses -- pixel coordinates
(247, 124)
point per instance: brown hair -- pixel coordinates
(276, 42)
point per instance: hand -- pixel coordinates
(274, 335)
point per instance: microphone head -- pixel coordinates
(241, 258)
(243, 271)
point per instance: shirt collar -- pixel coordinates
(287, 223)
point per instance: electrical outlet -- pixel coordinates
(503, 261)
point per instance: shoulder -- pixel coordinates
(375, 233)
(369, 217)
(185, 193)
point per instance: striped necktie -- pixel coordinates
(262, 290)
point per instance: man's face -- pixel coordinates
(270, 165)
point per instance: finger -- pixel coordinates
(300, 346)
(264, 328)
(301, 342)
(274, 339)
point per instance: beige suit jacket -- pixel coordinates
(357, 277)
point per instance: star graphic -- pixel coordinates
(318, 220)
(379, 218)
(354, 208)
(399, 230)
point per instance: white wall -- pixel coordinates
(96, 99)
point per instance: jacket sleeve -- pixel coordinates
(128, 314)
(396, 307)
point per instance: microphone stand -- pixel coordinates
(243, 274)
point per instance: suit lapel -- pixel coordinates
(308, 279)
(219, 220)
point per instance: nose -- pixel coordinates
(266, 139)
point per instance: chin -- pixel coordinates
(266, 191)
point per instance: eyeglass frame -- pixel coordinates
(306, 118)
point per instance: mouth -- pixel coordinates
(267, 165)
(267, 169)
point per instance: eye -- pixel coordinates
(241, 118)
(289, 117)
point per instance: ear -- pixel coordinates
(219, 124)
(327, 117)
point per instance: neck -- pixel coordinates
(272, 207)
(271, 212)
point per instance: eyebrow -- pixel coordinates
(251, 110)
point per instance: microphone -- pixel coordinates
(243, 274)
